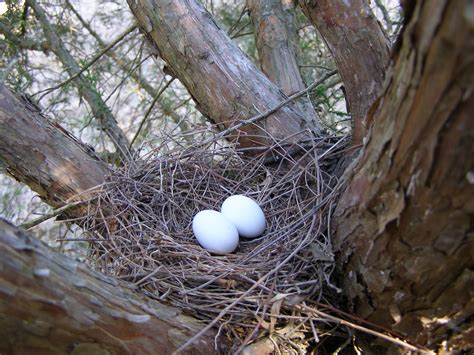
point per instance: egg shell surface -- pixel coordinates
(215, 232)
(246, 215)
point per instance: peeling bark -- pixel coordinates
(360, 50)
(403, 226)
(404, 223)
(42, 155)
(277, 42)
(223, 81)
(50, 304)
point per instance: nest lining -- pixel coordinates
(144, 234)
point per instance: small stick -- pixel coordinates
(149, 111)
(255, 285)
(54, 213)
(277, 107)
(267, 113)
(363, 329)
(88, 65)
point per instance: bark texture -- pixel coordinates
(222, 80)
(360, 50)
(277, 42)
(50, 304)
(97, 105)
(404, 224)
(42, 155)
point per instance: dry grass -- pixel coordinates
(146, 237)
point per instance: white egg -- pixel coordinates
(215, 232)
(246, 214)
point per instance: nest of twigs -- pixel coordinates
(146, 236)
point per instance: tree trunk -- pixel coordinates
(404, 222)
(223, 81)
(51, 304)
(277, 42)
(68, 307)
(360, 50)
(98, 107)
(42, 155)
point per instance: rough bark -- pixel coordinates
(99, 108)
(222, 80)
(42, 155)
(48, 303)
(404, 224)
(360, 50)
(277, 42)
(51, 304)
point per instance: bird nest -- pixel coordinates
(140, 230)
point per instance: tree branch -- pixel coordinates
(359, 48)
(22, 43)
(254, 119)
(222, 80)
(92, 61)
(42, 155)
(99, 108)
(135, 75)
(72, 309)
(277, 42)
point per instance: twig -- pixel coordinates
(128, 73)
(385, 15)
(89, 92)
(88, 65)
(241, 34)
(254, 286)
(267, 113)
(134, 74)
(149, 111)
(363, 329)
(20, 42)
(54, 213)
(234, 26)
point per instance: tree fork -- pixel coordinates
(223, 81)
(360, 50)
(277, 42)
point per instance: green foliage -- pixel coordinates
(234, 18)
(92, 77)
(12, 58)
(10, 207)
(15, 15)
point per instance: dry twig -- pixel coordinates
(144, 234)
